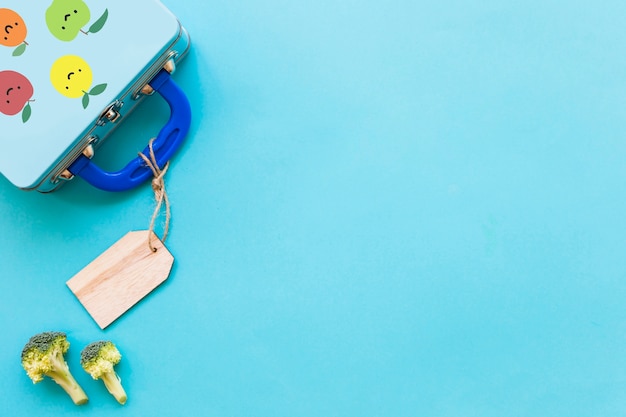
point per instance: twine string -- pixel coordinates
(160, 194)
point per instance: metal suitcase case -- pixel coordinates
(70, 71)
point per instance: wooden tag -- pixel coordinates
(121, 276)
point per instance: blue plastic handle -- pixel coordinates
(165, 145)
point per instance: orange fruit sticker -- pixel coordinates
(12, 28)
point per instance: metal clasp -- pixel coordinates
(111, 113)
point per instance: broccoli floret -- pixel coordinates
(98, 359)
(43, 356)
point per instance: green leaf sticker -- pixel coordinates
(98, 24)
(26, 112)
(98, 89)
(19, 50)
(85, 100)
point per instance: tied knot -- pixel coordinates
(158, 182)
(160, 194)
(157, 185)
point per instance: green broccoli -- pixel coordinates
(98, 359)
(43, 355)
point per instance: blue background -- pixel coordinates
(398, 208)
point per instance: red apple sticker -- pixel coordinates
(15, 94)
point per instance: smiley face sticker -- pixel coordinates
(16, 94)
(13, 31)
(72, 77)
(66, 18)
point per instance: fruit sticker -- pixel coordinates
(15, 94)
(65, 18)
(72, 77)
(13, 31)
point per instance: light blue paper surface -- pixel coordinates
(397, 208)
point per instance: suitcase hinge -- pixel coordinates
(169, 66)
(89, 152)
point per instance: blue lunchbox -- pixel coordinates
(70, 71)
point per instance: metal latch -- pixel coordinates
(111, 113)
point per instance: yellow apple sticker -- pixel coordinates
(72, 77)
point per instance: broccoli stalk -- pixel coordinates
(113, 384)
(43, 356)
(98, 359)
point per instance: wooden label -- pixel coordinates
(120, 277)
